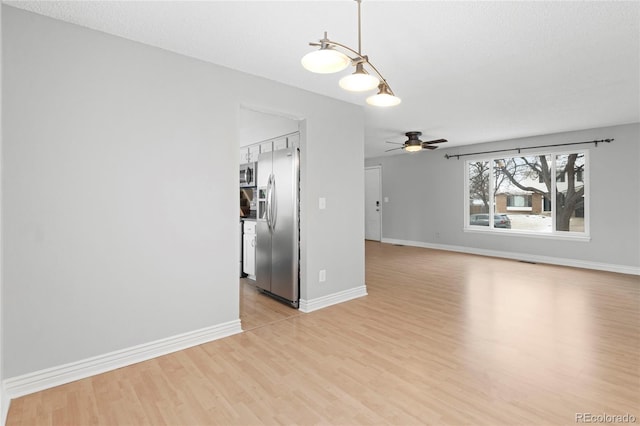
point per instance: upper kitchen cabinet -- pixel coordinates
(280, 143)
(249, 154)
(266, 146)
(265, 132)
(293, 140)
(288, 141)
(254, 151)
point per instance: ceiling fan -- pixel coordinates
(414, 144)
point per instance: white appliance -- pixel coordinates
(249, 249)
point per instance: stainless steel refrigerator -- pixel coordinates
(278, 225)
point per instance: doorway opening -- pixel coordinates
(269, 142)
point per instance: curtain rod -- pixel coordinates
(457, 156)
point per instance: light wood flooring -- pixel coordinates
(442, 338)
(258, 309)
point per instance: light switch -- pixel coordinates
(386, 199)
(322, 203)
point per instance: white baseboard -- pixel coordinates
(622, 269)
(55, 376)
(4, 405)
(331, 299)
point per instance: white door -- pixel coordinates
(372, 203)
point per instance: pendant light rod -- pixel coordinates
(359, 29)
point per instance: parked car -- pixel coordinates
(500, 220)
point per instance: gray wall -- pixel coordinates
(426, 199)
(119, 185)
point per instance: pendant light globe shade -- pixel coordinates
(384, 97)
(359, 81)
(325, 61)
(383, 100)
(413, 148)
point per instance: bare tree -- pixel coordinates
(517, 169)
(567, 202)
(479, 182)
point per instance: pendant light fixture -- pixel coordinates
(359, 81)
(328, 59)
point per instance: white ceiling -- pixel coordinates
(469, 72)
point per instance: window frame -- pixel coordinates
(554, 234)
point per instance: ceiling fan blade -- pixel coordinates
(397, 143)
(425, 145)
(393, 149)
(435, 141)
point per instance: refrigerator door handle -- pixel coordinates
(267, 211)
(273, 205)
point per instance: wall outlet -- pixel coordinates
(322, 276)
(322, 203)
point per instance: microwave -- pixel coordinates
(248, 175)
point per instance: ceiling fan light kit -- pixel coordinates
(414, 144)
(413, 148)
(328, 59)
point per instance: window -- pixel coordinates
(519, 201)
(518, 194)
(569, 206)
(478, 183)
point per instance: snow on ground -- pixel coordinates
(540, 223)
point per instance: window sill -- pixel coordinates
(515, 233)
